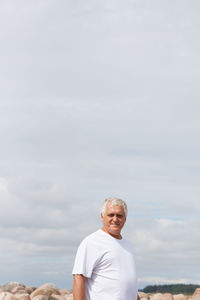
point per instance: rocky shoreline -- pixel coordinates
(48, 291)
(168, 296)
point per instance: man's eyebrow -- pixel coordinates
(112, 214)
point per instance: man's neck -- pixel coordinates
(118, 237)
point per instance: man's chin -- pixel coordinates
(115, 228)
(115, 232)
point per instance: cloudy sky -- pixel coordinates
(99, 98)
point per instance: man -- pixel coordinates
(104, 267)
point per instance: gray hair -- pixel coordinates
(114, 201)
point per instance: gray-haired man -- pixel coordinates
(104, 267)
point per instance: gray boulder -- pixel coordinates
(3, 295)
(143, 296)
(197, 292)
(57, 297)
(9, 286)
(48, 285)
(24, 297)
(41, 297)
(43, 291)
(30, 289)
(180, 297)
(10, 297)
(70, 297)
(160, 296)
(65, 292)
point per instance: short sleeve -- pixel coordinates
(86, 259)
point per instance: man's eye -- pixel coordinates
(111, 215)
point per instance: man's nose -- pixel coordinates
(115, 218)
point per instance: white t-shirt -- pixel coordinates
(109, 265)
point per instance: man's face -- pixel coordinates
(113, 220)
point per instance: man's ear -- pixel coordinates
(101, 217)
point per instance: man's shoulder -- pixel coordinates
(128, 244)
(127, 241)
(92, 237)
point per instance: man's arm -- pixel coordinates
(79, 287)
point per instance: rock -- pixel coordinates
(8, 287)
(18, 296)
(168, 296)
(159, 296)
(44, 291)
(55, 292)
(47, 291)
(47, 286)
(197, 297)
(18, 290)
(3, 295)
(25, 297)
(70, 297)
(67, 296)
(10, 297)
(41, 297)
(30, 289)
(143, 296)
(57, 297)
(180, 297)
(65, 292)
(156, 296)
(197, 292)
